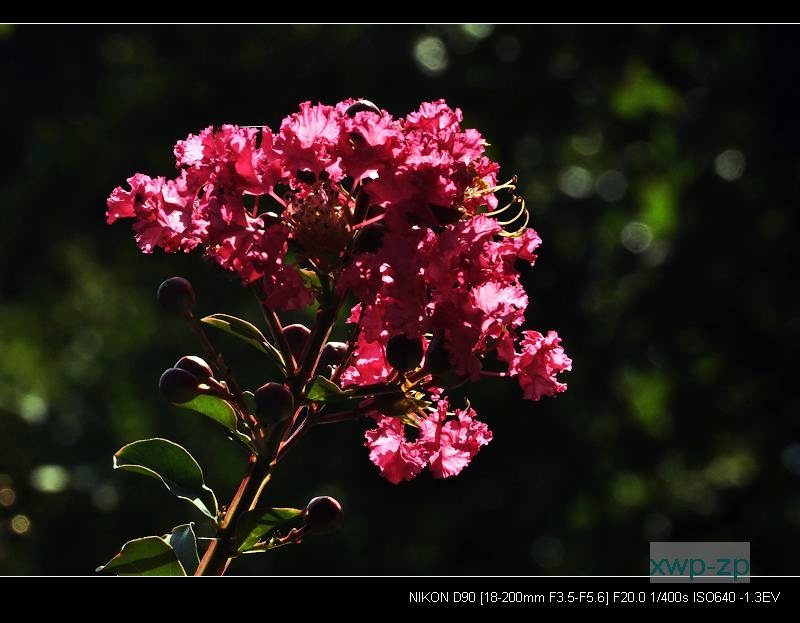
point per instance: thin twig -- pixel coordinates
(494, 374)
(296, 434)
(338, 416)
(218, 362)
(351, 349)
(326, 318)
(278, 336)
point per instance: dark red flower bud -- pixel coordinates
(297, 336)
(323, 514)
(176, 296)
(196, 366)
(404, 353)
(274, 403)
(306, 176)
(362, 106)
(437, 359)
(332, 354)
(178, 385)
(369, 239)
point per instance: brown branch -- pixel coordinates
(219, 553)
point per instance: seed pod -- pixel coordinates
(362, 106)
(176, 296)
(306, 176)
(404, 353)
(297, 336)
(274, 403)
(178, 386)
(196, 366)
(322, 514)
(332, 354)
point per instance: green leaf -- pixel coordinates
(172, 465)
(220, 411)
(323, 390)
(256, 524)
(249, 401)
(247, 332)
(150, 555)
(310, 278)
(216, 408)
(183, 540)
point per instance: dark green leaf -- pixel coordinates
(245, 439)
(182, 539)
(247, 332)
(172, 465)
(256, 524)
(150, 555)
(323, 390)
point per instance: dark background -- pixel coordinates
(661, 166)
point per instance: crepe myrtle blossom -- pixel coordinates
(399, 222)
(445, 446)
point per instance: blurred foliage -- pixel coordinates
(661, 165)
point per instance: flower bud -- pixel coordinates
(176, 296)
(362, 106)
(306, 176)
(274, 403)
(369, 239)
(332, 354)
(196, 366)
(297, 336)
(437, 359)
(178, 386)
(404, 353)
(323, 514)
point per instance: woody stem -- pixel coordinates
(219, 553)
(223, 548)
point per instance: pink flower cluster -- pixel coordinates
(445, 446)
(402, 215)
